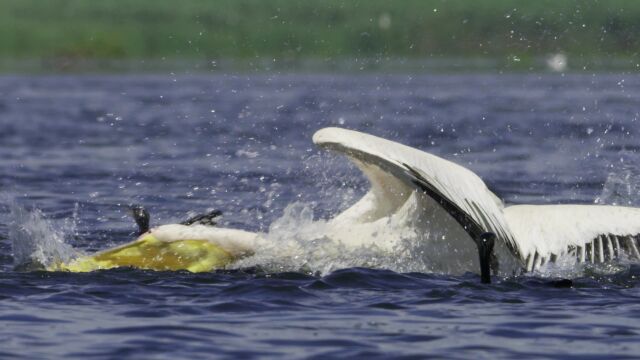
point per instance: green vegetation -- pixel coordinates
(58, 31)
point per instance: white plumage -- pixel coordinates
(445, 206)
(533, 234)
(238, 243)
(592, 233)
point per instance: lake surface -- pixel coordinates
(77, 150)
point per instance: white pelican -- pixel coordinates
(467, 227)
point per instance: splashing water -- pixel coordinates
(623, 182)
(297, 242)
(37, 242)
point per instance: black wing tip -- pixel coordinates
(141, 217)
(204, 219)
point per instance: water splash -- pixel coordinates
(293, 242)
(297, 242)
(622, 186)
(37, 242)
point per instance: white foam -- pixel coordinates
(36, 239)
(297, 242)
(567, 266)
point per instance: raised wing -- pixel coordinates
(207, 219)
(460, 192)
(591, 233)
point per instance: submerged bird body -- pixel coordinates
(414, 195)
(195, 248)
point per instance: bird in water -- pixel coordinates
(449, 209)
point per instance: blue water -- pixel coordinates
(80, 149)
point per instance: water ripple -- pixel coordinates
(242, 144)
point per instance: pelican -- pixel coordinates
(463, 225)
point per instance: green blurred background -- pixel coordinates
(143, 35)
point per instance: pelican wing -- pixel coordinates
(460, 192)
(591, 233)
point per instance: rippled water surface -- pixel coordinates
(76, 151)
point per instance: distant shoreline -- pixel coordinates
(343, 65)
